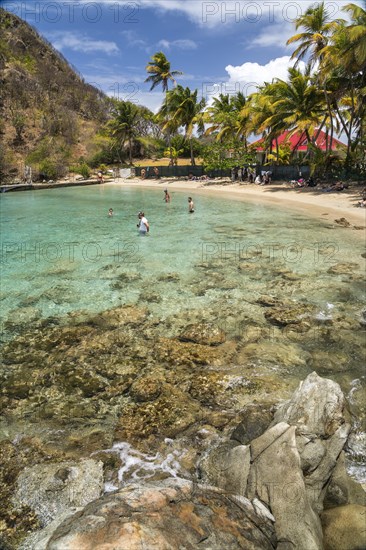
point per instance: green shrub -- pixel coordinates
(104, 156)
(48, 170)
(82, 169)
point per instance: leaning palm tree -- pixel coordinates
(160, 73)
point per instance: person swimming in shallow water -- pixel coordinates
(166, 195)
(110, 212)
(190, 205)
(143, 224)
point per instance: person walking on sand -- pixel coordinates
(143, 224)
(166, 195)
(190, 205)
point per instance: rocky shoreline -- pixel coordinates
(179, 405)
(287, 488)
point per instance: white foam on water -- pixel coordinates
(356, 385)
(326, 314)
(356, 453)
(356, 444)
(137, 466)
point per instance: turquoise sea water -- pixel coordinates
(61, 253)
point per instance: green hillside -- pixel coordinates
(49, 114)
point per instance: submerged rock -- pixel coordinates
(169, 277)
(343, 222)
(21, 317)
(146, 388)
(203, 333)
(172, 412)
(256, 419)
(268, 301)
(346, 268)
(118, 317)
(51, 489)
(287, 315)
(284, 354)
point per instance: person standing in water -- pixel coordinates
(166, 195)
(190, 205)
(110, 212)
(143, 224)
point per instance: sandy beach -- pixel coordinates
(311, 202)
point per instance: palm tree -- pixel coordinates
(161, 74)
(225, 117)
(281, 157)
(296, 105)
(173, 153)
(185, 111)
(357, 36)
(343, 66)
(123, 127)
(318, 27)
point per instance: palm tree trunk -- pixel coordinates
(168, 130)
(193, 163)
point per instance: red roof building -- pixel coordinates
(298, 142)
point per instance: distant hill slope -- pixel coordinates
(48, 113)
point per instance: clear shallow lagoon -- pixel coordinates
(61, 253)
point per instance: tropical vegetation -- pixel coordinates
(325, 91)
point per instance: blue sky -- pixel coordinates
(219, 46)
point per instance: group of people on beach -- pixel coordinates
(143, 224)
(145, 172)
(248, 173)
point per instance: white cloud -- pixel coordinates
(247, 77)
(182, 44)
(78, 43)
(133, 40)
(272, 36)
(250, 75)
(165, 44)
